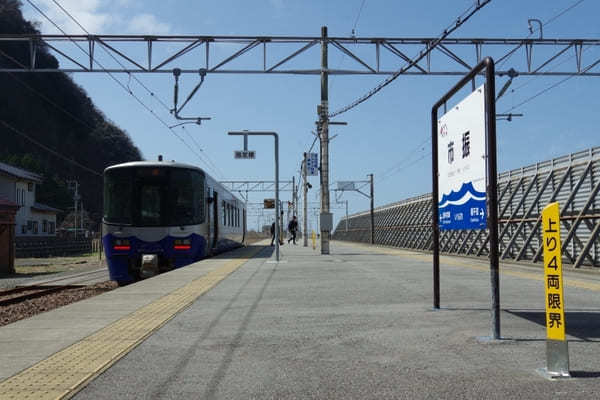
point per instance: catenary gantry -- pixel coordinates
(281, 54)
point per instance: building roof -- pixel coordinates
(19, 173)
(44, 208)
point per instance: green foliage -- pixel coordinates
(53, 110)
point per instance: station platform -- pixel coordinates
(355, 324)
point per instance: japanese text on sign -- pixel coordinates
(553, 281)
(462, 165)
(312, 164)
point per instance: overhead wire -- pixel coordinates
(209, 162)
(552, 19)
(130, 92)
(34, 141)
(50, 150)
(464, 17)
(44, 97)
(343, 56)
(554, 66)
(394, 169)
(553, 86)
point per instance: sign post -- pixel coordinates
(465, 206)
(557, 349)
(245, 134)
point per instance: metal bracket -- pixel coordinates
(175, 111)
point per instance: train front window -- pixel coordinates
(147, 196)
(118, 195)
(150, 205)
(186, 195)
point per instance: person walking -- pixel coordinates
(293, 228)
(272, 233)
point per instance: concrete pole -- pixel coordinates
(324, 139)
(346, 215)
(293, 195)
(304, 214)
(372, 212)
(76, 198)
(277, 233)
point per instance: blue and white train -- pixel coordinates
(164, 215)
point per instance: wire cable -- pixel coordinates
(552, 86)
(464, 17)
(552, 19)
(141, 84)
(151, 111)
(50, 150)
(343, 56)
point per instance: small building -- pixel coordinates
(8, 209)
(19, 186)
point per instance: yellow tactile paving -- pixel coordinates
(569, 282)
(65, 372)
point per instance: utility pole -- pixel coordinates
(81, 213)
(324, 131)
(74, 185)
(294, 196)
(372, 212)
(304, 214)
(346, 215)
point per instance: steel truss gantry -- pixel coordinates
(256, 186)
(572, 180)
(277, 54)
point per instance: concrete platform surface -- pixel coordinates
(356, 324)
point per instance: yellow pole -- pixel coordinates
(557, 350)
(314, 240)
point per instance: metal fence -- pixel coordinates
(51, 246)
(572, 180)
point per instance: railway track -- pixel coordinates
(37, 289)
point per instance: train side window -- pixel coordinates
(224, 213)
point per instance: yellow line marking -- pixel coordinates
(69, 370)
(569, 282)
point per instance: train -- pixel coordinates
(161, 215)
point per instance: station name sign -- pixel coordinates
(244, 154)
(462, 164)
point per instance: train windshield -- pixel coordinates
(147, 196)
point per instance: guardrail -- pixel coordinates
(572, 180)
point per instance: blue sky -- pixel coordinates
(387, 135)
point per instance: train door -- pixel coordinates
(215, 219)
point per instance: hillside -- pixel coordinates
(54, 111)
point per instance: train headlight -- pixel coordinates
(121, 244)
(182, 244)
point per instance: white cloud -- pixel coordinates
(96, 16)
(147, 24)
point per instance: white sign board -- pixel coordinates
(344, 185)
(312, 164)
(462, 164)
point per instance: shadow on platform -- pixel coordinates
(264, 251)
(580, 324)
